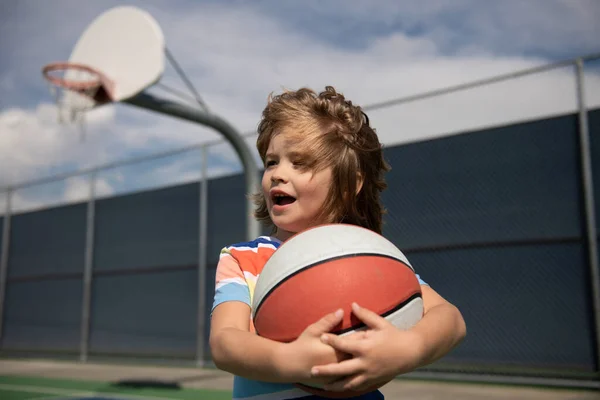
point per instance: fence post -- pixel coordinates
(87, 270)
(588, 193)
(4, 250)
(202, 257)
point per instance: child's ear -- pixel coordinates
(359, 182)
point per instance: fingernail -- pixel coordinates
(314, 372)
(324, 338)
(339, 313)
(355, 307)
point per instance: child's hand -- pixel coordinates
(298, 357)
(382, 353)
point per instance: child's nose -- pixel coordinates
(279, 174)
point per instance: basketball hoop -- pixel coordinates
(77, 88)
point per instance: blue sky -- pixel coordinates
(237, 52)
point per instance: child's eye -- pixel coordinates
(302, 165)
(270, 163)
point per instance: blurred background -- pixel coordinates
(490, 115)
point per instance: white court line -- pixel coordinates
(67, 392)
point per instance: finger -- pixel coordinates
(327, 323)
(349, 383)
(342, 369)
(357, 335)
(371, 319)
(345, 344)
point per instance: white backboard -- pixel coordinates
(125, 44)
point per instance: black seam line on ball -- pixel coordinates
(362, 324)
(323, 262)
(385, 314)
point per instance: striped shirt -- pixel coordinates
(237, 272)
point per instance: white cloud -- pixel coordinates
(509, 27)
(78, 189)
(32, 141)
(103, 188)
(20, 203)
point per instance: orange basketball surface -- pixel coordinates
(378, 283)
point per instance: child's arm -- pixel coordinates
(237, 350)
(386, 351)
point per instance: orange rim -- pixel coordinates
(97, 81)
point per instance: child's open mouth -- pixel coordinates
(281, 199)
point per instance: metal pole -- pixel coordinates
(4, 250)
(588, 192)
(87, 270)
(202, 258)
(150, 102)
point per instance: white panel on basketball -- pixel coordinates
(408, 316)
(325, 243)
(127, 45)
(404, 318)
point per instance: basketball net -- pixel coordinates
(76, 89)
(70, 112)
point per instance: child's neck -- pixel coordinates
(283, 235)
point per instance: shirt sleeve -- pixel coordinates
(230, 283)
(421, 281)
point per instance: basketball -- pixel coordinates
(327, 268)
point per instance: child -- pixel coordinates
(323, 164)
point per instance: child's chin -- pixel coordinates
(287, 227)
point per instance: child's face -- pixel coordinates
(294, 194)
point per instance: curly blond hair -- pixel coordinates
(331, 132)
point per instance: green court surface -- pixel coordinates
(25, 388)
